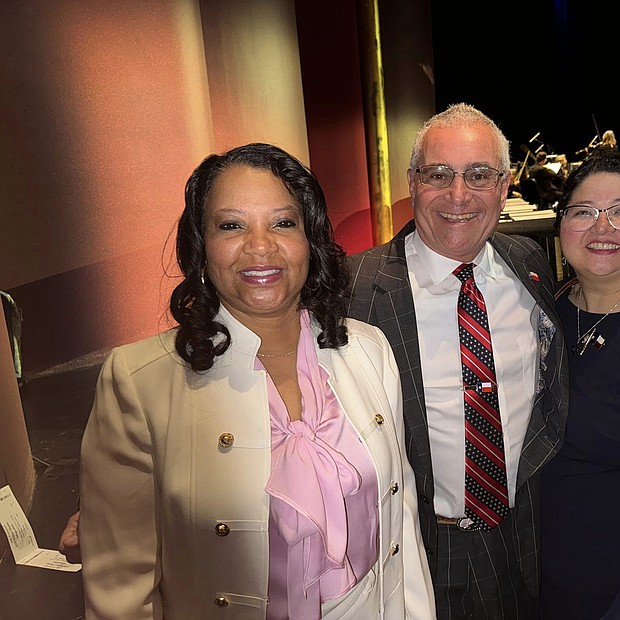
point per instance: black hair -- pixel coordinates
(195, 302)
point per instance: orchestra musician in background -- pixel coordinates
(600, 146)
(514, 190)
(607, 145)
(548, 182)
(566, 167)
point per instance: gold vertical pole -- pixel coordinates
(375, 120)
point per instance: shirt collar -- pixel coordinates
(438, 268)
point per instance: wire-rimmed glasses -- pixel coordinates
(580, 218)
(478, 177)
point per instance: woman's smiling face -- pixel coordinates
(596, 251)
(256, 248)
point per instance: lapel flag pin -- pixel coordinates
(534, 276)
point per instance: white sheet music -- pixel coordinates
(22, 540)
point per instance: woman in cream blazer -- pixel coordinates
(177, 514)
(174, 468)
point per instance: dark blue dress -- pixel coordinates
(581, 485)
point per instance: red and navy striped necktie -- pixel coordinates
(486, 489)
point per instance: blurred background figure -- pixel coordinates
(565, 166)
(549, 183)
(606, 146)
(514, 189)
(581, 485)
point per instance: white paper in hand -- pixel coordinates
(22, 540)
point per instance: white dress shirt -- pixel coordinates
(513, 326)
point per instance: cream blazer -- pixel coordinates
(174, 513)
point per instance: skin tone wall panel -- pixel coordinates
(101, 138)
(110, 112)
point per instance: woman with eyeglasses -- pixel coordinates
(581, 489)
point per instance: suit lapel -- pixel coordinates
(395, 315)
(530, 279)
(546, 426)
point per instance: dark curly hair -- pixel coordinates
(195, 302)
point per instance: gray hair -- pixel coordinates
(459, 114)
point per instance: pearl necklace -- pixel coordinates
(583, 341)
(279, 354)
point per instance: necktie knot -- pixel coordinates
(464, 272)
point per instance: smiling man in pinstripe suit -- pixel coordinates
(458, 179)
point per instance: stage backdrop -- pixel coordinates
(109, 106)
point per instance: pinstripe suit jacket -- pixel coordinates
(381, 295)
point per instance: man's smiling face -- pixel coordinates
(456, 221)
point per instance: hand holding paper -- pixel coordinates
(22, 540)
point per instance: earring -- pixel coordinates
(564, 261)
(202, 276)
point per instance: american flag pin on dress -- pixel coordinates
(534, 276)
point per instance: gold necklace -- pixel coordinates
(277, 354)
(583, 341)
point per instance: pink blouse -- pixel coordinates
(323, 528)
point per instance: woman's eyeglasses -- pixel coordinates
(580, 218)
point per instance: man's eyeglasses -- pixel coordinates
(580, 218)
(475, 178)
